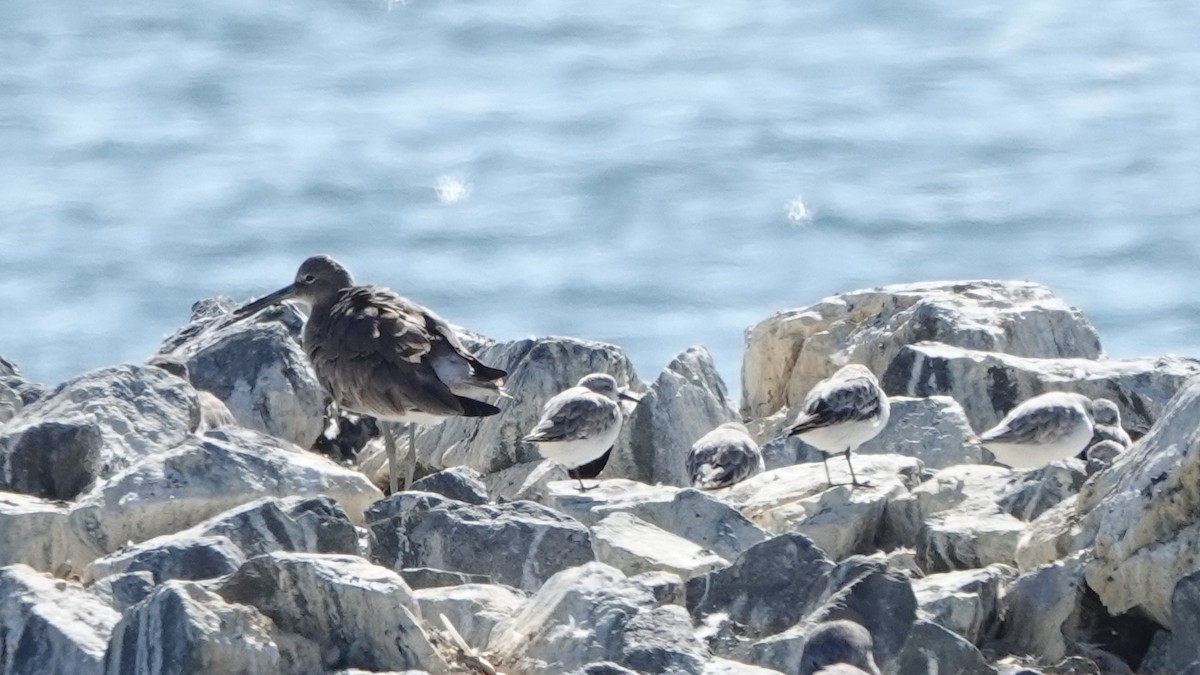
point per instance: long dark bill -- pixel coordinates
(263, 302)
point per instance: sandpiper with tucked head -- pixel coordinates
(838, 642)
(841, 413)
(1046, 428)
(724, 456)
(580, 424)
(379, 354)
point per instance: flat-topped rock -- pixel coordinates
(473, 609)
(965, 601)
(634, 546)
(790, 351)
(37, 532)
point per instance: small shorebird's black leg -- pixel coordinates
(825, 461)
(389, 447)
(411, 469)
(853, 478)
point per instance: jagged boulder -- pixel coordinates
(965, 602)
(358, 614)
(990, 384)
(789, 352)
(93, 426)
(183, 628)
(590, 614)
(50, 626)
(219, 545)
(473, 609)
(256, 366)
(205, 476)
(521, 544)
(1041, 609)
(688, 400)
(931, 648)
(841, 520)
(1032, 493)
(461, 483)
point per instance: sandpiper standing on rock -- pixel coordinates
(580, 424)
(379, 354)
(1049, 427)
(841, 413)
(724, 456)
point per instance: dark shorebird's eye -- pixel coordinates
(309, 278)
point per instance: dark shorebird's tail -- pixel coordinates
(473, 408)
(487, 373)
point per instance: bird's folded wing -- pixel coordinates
(573, 417)
(845, 401)
(1045, 424)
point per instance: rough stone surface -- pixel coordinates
(460, 483)
(1033, 492)
(537, 370)
(359, 615)
(221, 544)
(92, 427)
(989, 385)
(183, 628)
(688, 400)
(256, 366)
(933, 649)
(592, 614)
(789, 352)
(428, 577)
(1041, 608)
(634, 546)
(528, 481)
(205, 476)
(842, 520)
(521, 544)
(10, 403)
(1141, 515)
(122, 591)
(38, 533)
(965, 602)
(768, 588)
(50, 626)
(473, 609)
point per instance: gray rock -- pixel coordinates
(256, 366)
(588, 615)
(473, 609)
(964, 602)
(205, 476)
(521, 544)
(50, 626)
(667, 588)
(719, 666)
(989, 385)
(692, 514)
(419, 578)
(687, 400)
(634, 546)
(1185, 629)
(528, 481)
(768, 588)
(359, 615)
(182, 628)
(13, 380)
(933, 649)
(537, 369)
(934, 429)
(1034, 492)
(38, 533)
(10, 403)
(841, 520)
(1140, 516)
(461, 483)
(93, 426)
(789, 352)
(123, 591)
(221, 544)
(1041, 609)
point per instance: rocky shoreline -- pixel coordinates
(134, 545)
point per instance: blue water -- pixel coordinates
(651, 174)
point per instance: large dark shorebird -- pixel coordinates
(379, 354)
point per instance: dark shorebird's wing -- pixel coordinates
(370, 353)
(572, 416)
(718, 460)
(837, 401)
(1038, 424)
(445, 337)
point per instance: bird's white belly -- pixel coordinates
(838, 437)
(579, 452)
(409, 417)
(1033, 456)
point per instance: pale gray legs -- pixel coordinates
(853, 478)
(389, 446)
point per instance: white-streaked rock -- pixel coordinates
(205, 476)
(787, 353)
(634, 546)
(473, 609)
(358, 614)
(964, 602)
(51, 626)
(37, 532)
(841, 520)
(93, 426)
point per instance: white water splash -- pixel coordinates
(798, 212)
(452, 189)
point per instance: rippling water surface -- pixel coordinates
(651, 174)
